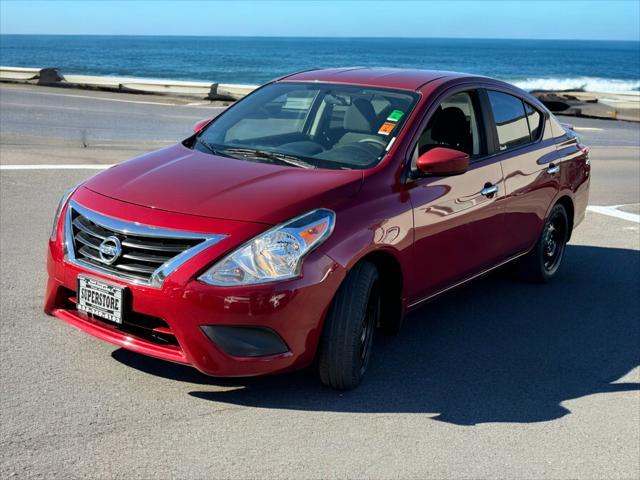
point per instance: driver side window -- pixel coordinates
(286, 114)
(454, 124)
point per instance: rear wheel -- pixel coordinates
(542, 263)
(347, 338)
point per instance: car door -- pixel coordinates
(524, 144)
(458, 222)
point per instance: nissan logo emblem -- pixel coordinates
(110, 249)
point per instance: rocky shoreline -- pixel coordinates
(615, 106)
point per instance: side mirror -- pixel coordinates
(443, 161)
(201, 124)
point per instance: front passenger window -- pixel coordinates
(453, 125)
(287, 115)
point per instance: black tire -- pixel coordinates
(347, 337)
(541, 264)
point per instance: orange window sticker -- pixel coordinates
(386, 128)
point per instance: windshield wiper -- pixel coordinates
(207, 145)
(275, 156)
(255, 153)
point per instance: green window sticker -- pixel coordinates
(395, 115)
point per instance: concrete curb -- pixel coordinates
(51, 77)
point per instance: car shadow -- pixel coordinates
(495, 350)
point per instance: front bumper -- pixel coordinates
(166, 322)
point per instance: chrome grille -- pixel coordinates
(145, 254)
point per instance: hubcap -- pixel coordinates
(550, 244)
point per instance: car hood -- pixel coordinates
(178, 179)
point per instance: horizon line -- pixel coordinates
(318, 36)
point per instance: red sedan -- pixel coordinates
(315, 211)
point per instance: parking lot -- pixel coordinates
(498, 378)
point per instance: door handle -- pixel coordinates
(489, 190)
(553, 169)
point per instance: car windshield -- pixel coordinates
(310, 125)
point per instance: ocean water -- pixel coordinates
(531, 64)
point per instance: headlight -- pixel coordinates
(274, 255)
(56, 218)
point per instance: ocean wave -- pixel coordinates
(588, 84)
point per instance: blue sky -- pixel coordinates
(608, 20)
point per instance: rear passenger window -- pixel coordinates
(511, 121)
(535, 121)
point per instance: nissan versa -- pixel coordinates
(319, 209)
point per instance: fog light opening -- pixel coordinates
(246, 341)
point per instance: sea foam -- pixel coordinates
(589, 84)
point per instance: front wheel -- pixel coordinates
(347, 338)
(542, 263)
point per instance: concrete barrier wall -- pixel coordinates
(51, 77)
(235, 91)
(587, 104)
(18, 74)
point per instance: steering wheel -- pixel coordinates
(375, 141)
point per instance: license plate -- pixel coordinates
(100, 298)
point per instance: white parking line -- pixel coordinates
(590, 129)
(613, 211)
(78, 166)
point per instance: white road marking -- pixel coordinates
(589, 129)
(613, 211)
(88, 97)
(78, 166)
(87, 110)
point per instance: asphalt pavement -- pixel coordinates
(497, 379)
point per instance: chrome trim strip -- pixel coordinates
(133, 268)
(83, 241)
(144, 258)
(86, 230)
(91, 255)
(462, 282)
(163, 271)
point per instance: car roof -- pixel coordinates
(405, 79)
